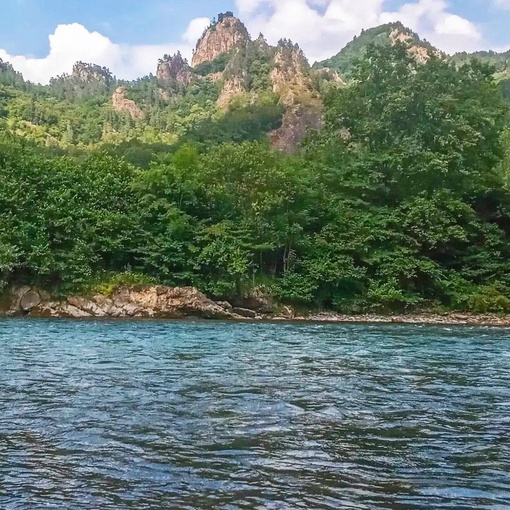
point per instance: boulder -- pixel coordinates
(87, 306)
(244, 312)
(258, 300)
(17, 294)
(225, 305)
(30, 300)
(126, 302)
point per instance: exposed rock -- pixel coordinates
(181, 302)
(232, 88)
(174, 68)
(135, 301)
(30, 300)
(86, 80)
(329, 75)
(244, 312)
(420, 53)
(290, 77)
(87, 306)
(16, 295)
(258, 300)
(67, 311)
(89, 73)
(221, 37)
(225, 305)
(122, 104)
(215, 77)
(297, 121)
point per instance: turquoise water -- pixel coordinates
(192, 415)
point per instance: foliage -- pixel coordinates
(217, 65)
(345, 61)
(401, 201)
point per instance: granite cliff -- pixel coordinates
(223, 36)
(236, 88)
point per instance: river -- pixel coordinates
(211, 415)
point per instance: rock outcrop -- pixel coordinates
(403, 35)
(86, 80)
(130, 301)
(290, 77)
(222, 36)
(177, 303)
(174, 68)
(231, 88)
(121, 103)
(90, 73)
(297, 122)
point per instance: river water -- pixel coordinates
(210, 415)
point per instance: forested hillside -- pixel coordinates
(377, 182)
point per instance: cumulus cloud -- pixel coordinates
(73, 42)
(323, 27)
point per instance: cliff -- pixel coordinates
(290, 77)
(236, 89)
(85, 81)
(222, 36)
(174, 68)
(121, 103)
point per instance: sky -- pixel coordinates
(44, 38)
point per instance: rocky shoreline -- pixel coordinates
(158, 302)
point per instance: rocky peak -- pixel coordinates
(222, 36)
(174, 68)
(121, 103)
(86, 80)
(290, 77)
(344, 62)
(419, 50)
(90, 73)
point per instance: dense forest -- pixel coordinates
(401, 201)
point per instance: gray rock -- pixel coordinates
(87, 306)
(30, 300)
(244, 312)
(16, 295)
(72, 312)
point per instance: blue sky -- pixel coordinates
(26, 24)
(129, 35)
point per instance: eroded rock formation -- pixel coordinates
(121, 103)
(290, 77)
(231, 88)
(128, 301)
(297, 122)
(221, 37)
(174, 68)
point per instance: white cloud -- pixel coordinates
(323, 27)
(195, 30)
(73, 42)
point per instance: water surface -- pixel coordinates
(198, 415)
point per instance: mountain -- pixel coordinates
(236, 88)
(389, 33)
(399, 203)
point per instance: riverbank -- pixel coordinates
(447, 319)
(159, 302)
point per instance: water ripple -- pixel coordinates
(192, 415)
